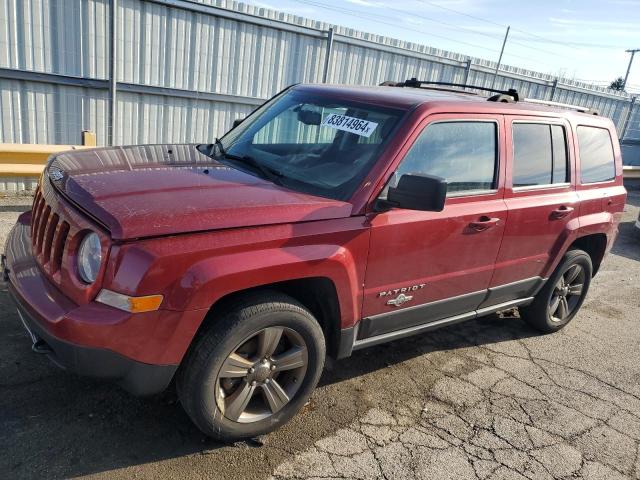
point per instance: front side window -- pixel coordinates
(464, 153)
(310, 143)
(597, 162)
(539, 154)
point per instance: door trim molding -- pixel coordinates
(415, 315)
(416, 319)
(528, 287)
(425, 327)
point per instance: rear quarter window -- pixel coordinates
(597, 162)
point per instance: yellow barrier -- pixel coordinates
(26, 160)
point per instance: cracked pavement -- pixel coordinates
(486, 399)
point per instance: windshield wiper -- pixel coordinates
(267, 172)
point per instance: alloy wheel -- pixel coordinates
(567, 293)
(261, 375)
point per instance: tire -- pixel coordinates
(542, 313)
(214, 382)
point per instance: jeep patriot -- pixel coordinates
(330, 219)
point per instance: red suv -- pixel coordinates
(331, 219)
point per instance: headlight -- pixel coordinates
(89, 257)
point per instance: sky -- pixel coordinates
(583, 40)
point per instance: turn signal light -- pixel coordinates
(147, 303)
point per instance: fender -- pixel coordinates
(601, 222)
(565, 239)
(196, 273)
(594, 223)
(207, 281)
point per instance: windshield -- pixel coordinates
(316, 145)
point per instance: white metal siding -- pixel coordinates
(68, 37)
(35, 112)
(157, 119)
(178, 48)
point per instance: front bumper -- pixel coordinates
(83, 339)
(136, 377)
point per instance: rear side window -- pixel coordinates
(596, 155)
(463, 153)
(539, 154)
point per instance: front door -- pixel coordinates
(427, 266)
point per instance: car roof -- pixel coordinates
(406, 98)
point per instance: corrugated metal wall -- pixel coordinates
(176, 48)
(158, 119)
(633, 129)
(218, 59)
(68, 37)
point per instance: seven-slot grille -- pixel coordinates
(48, 235)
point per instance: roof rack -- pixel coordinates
(510, 95)
(506, 96)
(578, 108)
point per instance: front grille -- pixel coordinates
(56, 229)
(48, 235)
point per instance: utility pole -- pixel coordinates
(113, 73)
(327, 55)
(504, 42)
(632, 52)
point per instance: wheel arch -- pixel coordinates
(317, 294)
(595, 244)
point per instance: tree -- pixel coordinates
(617, 84)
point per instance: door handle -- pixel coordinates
(561, 212)
(484, 223)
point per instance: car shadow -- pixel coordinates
(490, 329)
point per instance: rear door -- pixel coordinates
(541, 201)
(427, 266)
(599, 185)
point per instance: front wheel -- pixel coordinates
(561, 297)
(253, 369)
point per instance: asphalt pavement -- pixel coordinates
(487, 399)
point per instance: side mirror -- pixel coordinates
(237, 122)
(419, 192)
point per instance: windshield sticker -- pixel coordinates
(360, 127)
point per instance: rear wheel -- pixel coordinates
(254, 369)
(562, 296)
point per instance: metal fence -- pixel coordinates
(182, 71)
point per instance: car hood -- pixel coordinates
(151, 190)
